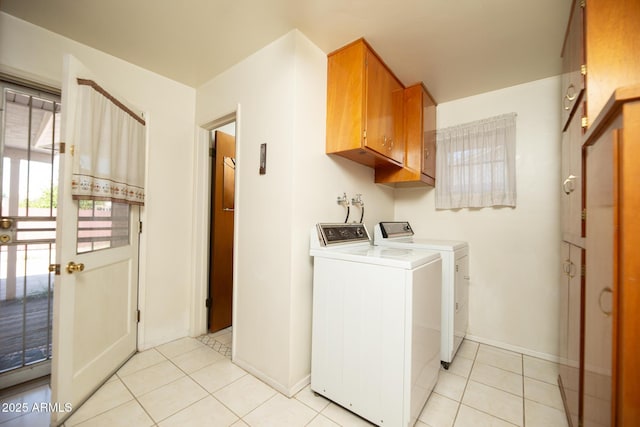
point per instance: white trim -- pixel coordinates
(200, 241)
(200, 218)
(24, 374)
(236, 228)
(528, 352)
(142, 252)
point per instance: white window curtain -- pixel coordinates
(475, 164)
(109, 158)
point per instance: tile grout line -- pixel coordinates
(199, 385)
(490, 386)
(466, 383)
(136, 398)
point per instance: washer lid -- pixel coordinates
(438, 245)
(379, 255)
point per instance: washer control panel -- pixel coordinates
(332, 234)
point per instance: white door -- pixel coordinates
(95, 311)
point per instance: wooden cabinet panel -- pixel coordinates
(600, 285)
(572, 62)
(364, 107)
(420, 141)
(571, 199)
(571, 292)
(611, 44)
(384, 96)
(611, 375)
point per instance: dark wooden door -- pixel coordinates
(222, 207)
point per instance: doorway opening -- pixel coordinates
(28, 207)
(222, 149)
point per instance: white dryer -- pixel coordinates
(376, 324)
(455, 279)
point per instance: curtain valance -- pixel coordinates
(109, 159)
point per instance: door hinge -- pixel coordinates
(54, 268)
(364, 134)
(72, 150)
(583, 3)
(138, 316)
(583, 69)
(457, 268)
(139, 227)
(212, 152)
(62, 146)
(583, 270)
(584, 214)
(207, 303)
(584, 122)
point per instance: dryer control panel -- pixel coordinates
(395, 229)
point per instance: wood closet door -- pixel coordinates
(222, 211)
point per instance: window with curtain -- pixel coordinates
(475, 164)
(108, 167)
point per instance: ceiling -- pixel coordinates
(458, 48)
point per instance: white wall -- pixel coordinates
(281, 93)
(514, 253)
(34, 53)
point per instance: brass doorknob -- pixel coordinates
(6, 223)
(72, 267)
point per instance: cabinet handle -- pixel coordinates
(573, 96)
(572, 270)
(602, 292)
(568, 186)
(569, 268)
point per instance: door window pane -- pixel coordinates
(102, 225)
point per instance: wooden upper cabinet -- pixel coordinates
(611, 44)
(420, 141)
(364, 107)
(573, 62)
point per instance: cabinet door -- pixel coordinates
(600, 283)
(572, 61)
(572, 182)
(570, 297)
(384, 104)
(429, 135)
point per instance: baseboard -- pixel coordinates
(544, 356)
(282, 389)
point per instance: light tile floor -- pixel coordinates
(188, 383)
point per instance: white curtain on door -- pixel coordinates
(109, 158)
(475, 164)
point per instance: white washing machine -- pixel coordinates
(455, 279)
(376, 324)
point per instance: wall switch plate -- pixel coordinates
(263, 158)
